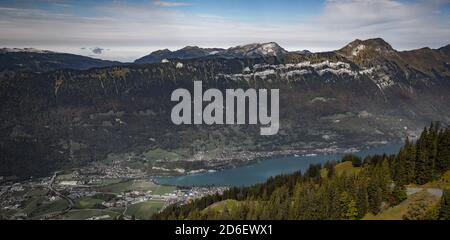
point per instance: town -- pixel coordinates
(84, 194)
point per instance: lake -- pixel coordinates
(261, 171)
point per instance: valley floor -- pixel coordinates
(64, 196)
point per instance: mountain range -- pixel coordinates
(255, 50)
(62, 113)
(35, 60)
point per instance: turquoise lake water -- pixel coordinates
(261, 171)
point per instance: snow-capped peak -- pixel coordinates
(357, 49)
(372, 47)
(258, 49)
(269, 48)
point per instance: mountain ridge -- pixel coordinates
(39, 61)
(370, 49)
(188, 52)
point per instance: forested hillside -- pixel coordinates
(60, 113)
(331, 192)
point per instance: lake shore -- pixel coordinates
(260, 170)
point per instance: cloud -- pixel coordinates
(407, 24)
(171, 4)
(97, 50)
(132, 31)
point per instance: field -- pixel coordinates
(84, 214)
(116, 188)
(89, 202)
(161, 154)
(37, 203)
(53, 207)
(136, 185)
(144, 210)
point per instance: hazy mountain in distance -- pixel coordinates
(255, 50)
(188, 52)
(303, 52)
(35, 60)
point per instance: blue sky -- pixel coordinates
(249, 10)
(125, 30)
(264, 10)
(255, 8)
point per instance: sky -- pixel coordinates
(124, 30)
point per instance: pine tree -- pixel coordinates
(362, 201)
(444, 209)
(348, 207)
(432, 143)
(399, 167)
(331, 171)
(410, 161)
(375, 196)
(443, 151)
(422, 169)
(399, 193)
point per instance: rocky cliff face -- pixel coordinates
(362, 94)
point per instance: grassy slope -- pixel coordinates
(397, 212)
(221, 206)
(342, 168)
(346, 168)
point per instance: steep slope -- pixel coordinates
(378, 53)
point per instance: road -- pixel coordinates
(57, 193)
(433, 191)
